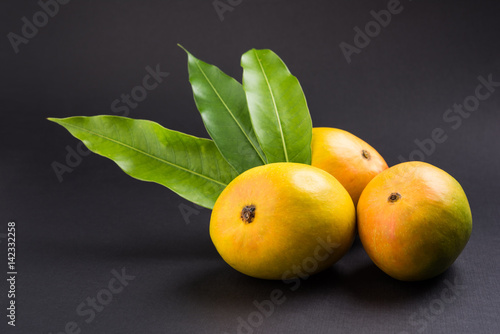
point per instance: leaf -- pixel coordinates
(277, 107)
(190, 166)
(223, 107)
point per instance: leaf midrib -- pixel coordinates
(146, 154)
(229, 111)
(274, 104)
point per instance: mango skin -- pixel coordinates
(298, 210)
(421, 234)
(348, 158)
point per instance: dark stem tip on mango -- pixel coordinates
(248, 213)
(394, 197)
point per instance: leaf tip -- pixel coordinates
(183, 48)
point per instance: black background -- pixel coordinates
(72, 234)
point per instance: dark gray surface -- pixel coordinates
(72, 234)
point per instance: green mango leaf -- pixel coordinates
(190, 166)
(223, 107)
(278, 108)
